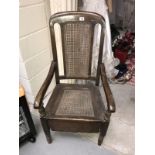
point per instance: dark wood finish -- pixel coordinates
(74, 125)
(80, 78)
(46, 129)
(42, 111)
(100, 55)
(39, 98)
(62, 36)
(108, 93)
(73, 107)
(54, 55)
(103, 131)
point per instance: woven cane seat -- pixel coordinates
(76, 103)
(71, 100)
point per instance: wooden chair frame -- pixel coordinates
(74, 124)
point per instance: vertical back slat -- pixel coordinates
(100, 56)
(91, 49)
(63, 47)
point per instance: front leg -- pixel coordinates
(46, 129)
(103, 131)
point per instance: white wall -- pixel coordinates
(34, 42)
(63, 5)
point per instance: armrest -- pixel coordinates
(39, 98)
(108, 93)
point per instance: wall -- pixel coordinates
(34, 42)
(63, 5)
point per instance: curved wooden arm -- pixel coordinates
(108, 93)
(39, 98)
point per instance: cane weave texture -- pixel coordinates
(77, 48)
(76, 103)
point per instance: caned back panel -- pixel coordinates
(77, 31)
(77, 48)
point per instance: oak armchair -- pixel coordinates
(76, 107)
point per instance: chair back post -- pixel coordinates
(100, 57)
(54, 51)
